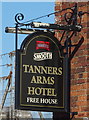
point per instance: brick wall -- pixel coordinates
(80, 62)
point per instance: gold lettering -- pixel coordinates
(49, 70)
(33, 79)
(55, 70)
(25, 68)
(49, 92)
(60, 71)
(41, 91)
(43, 70)
(38, 91)
(53, 92)
(52, 80)
(31, 69)
(31, 91)
(39, 78)
(44, 91)
(44, 80)
(37, 69)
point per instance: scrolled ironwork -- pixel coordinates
(19, 17)
(68, 17)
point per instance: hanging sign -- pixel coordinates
(40, 83)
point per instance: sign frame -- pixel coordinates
(18, 105)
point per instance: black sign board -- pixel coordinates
(40, 76)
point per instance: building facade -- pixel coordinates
(79, 89)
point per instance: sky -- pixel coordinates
(30, 10)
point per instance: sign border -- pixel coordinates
(18, 104)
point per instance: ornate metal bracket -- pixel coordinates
(73, 114)
(70, 28)
(19, 17)
(70, 19)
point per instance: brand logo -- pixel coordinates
(42, 45)
(42, 56)
(40, 24)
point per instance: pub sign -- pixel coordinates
(40, 77)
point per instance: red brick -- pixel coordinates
(82, 98)
(78, 70)
(75, 109)
(77, 93)
(78, 81)
(81, 114)
(85, 108)
(81, 103)
(83, 75)
(83, 8)
(81, 4)
(81, 81)
(57, 8)
(73, 101)
(80, 63)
